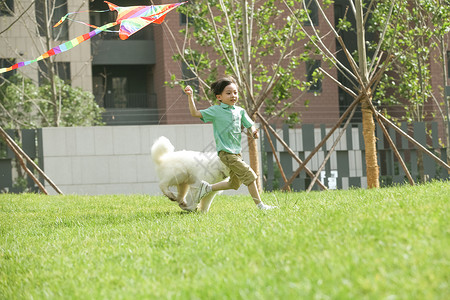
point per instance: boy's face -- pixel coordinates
(229, 95)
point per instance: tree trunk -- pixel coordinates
(372, 169)
(254, 160)
(50, 68)
(20, 172)
(421, 167)
(247, 76)
(370, 141)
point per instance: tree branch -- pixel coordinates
(325, 51)
(18, 18)
(380, 42)
(230, 32)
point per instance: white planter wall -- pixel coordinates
(116, 159)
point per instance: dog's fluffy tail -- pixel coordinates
(161, 147)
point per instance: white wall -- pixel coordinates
(116, 159)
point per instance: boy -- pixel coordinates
(227, 120)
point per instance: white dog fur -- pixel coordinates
(185, 170)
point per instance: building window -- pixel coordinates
(124, 86)
(316, 83)
(313, 12)
(6, 63)
(6, 7)
(56, 9)
(184, 19)
(117, 96)
(61, 69)
(189, 77)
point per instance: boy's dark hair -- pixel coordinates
(218, 86)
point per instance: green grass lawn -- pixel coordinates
(390, 243)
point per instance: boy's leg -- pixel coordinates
(244, 173)
(227, 184)
(206, 201)
(221, 186)
(253, 190)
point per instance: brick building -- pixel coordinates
(128, 77)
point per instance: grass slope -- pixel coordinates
(390, 243)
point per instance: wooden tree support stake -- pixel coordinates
(341, 133)
(391, 143)
(413, 141)
(280, 167)
(330, 133)
(20, 154)
(308, 171)
(24, 166)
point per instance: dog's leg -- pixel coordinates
(165, 189)
(185, 202)
(183, 189)
(206, 201)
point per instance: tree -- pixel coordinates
(366, 100)
(363, 77)
(46, 14)
(23, 105)
(418, 33)
(256, 42)
(363, 70)
(78, 107)
(364, 74)
(54, 103)
(19, 107)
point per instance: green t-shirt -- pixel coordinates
(227, 122)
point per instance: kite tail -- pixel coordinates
(61, 48)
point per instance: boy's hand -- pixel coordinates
(192, 109)
(255, 134)
(188, 90)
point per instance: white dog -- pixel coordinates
(186, 169)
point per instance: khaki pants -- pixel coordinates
(240, 172)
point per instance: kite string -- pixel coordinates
(93, 26)
(78, 12)
(165, 113)
(180, 66)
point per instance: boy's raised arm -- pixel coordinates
(192, 108)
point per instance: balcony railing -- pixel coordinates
(128, 100)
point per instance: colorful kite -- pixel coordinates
(130, 18)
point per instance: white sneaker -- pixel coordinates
(263, 206)
(204, 189)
